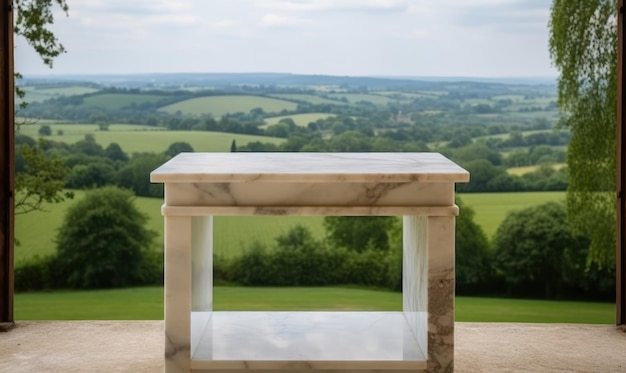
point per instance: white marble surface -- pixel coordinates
(419, 186)
(324, 340)
(263, 194)
(415, 276)
(310, 210)
(177, 310)
(308, 167)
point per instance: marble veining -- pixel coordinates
(309, 167)
(311, 210)
(441, 294)
(309, 194)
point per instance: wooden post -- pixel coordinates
(7, 161)
(620, 253)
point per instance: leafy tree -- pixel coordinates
(45, 130)
(41, 181)
(99, 117)
(297, 238)
(483, 172)
(178, 147)
(93, 175)
(103, 241)
(473, 259)
(115, 153)
(233, 146)
(583, 47)
(88, 146)
(34, 18)
(350, 141)
(536, 247)
(136, 174)
(358, 233)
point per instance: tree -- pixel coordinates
(178, 147)
(88, 146)
(358, 233)
(583, 47)
(472, 260)
(103, 241)
(34, 18)
(42, 179)
(537, 247)
(45, 130)
(136, 174)
(115, 153)
(233, 146)
(93, 175)
(483, 172)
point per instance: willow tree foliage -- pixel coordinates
(33, 19)
(583, 47)
(44, 180)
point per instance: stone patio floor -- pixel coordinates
(137, 346)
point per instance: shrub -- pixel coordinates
(35, 273)
(300, 260)
(103, 242)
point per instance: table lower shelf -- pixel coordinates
(304, 340)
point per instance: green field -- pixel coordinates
(313, 99)
(232, 233)
(35, 94)
(505, 136)
(147, 304)
(492, 208)
(220, 105)
(138, 139)
(116, 101)
(356, 97)
(73, 132)
(301, 120)
(519, 171)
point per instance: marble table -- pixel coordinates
(417, 186)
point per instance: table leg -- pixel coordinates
(441, 293)
(178, 244)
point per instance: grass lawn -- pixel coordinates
(147, 304)
(492, 208)
(232, 233)
(235, 233)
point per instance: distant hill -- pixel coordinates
(219, 80)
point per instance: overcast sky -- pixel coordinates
(468, 38)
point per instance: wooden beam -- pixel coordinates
(620, 253)
(7, 161)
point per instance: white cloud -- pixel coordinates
(366, 6)
(278, 21)
(225, 24)
(341, 37)
(420, 34)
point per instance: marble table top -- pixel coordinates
(308, 167)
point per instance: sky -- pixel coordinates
(422, 38)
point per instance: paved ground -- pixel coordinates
(136, 346)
